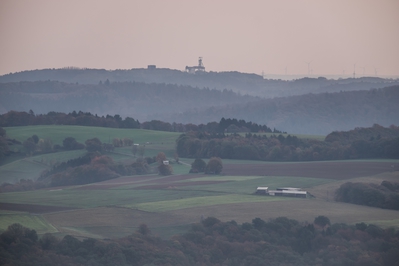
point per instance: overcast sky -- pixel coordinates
(276, 37)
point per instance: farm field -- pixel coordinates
(170, 204)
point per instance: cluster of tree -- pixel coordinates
(385, 195)
(214, 166)
(4, 149)
(234, 126)
(99, 168)
(21, 185)
(89, 168)
(281, 148)
(35, 145)
(279, 241)
(164, 167)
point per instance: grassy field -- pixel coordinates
(168, 205)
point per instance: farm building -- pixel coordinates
(285, 192)
(262, 190)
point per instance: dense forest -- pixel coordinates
(379, 142)
(385, 195)
(279, 241)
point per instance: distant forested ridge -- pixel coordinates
(303, 106)
(243, 83)
(291, 148)
(140, 100)
(312, 113)
(279, 241)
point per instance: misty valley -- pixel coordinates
(164, 167)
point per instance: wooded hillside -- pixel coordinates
(312, 113)
(280, 241)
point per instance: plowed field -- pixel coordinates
(329, 170)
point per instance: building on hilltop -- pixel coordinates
(195, 69)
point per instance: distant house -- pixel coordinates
(284, 191)
(165, 162)
(151, 67)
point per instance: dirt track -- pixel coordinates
(30, 208)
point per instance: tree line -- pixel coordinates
(279, 241)
(385, 195)
(14, 118)
(288, 148)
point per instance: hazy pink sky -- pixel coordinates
(247, 36)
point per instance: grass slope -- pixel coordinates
(35, 222)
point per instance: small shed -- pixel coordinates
(262, 190)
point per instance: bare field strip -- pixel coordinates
(32, 208)
(330, 170)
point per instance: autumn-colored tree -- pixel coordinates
(93, 145)
(198, 166)
(214, 166)
(161, 157)
(165, 169)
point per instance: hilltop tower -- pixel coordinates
(194, 69)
